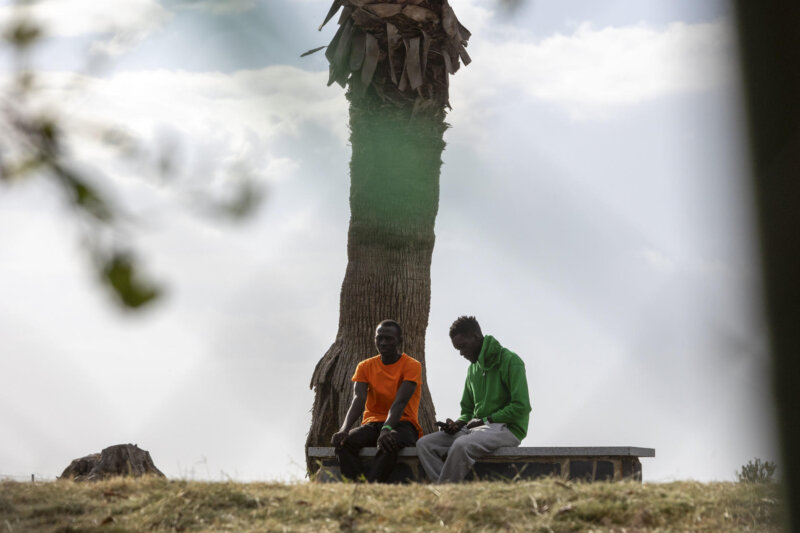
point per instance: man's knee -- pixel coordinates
(460, 445)
(464, 447)
(426, 445)
(351, 446)
(344, 449)
(437, 439)
(426, 442)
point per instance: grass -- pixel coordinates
(126, 505)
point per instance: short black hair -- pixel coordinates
(465, 325)
(394, 323)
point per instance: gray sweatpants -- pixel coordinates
(461, 450)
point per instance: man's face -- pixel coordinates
(468, 346)
(387, 340)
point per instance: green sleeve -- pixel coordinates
(467, 402)
(520, 404)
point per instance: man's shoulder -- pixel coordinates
(410, 361)
(510, 357)
(370, 361)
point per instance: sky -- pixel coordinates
(595, 216)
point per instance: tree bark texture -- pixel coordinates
(395, 59)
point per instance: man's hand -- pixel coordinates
(475, 422)
(338, 438)
(452, 427)
(387, 440)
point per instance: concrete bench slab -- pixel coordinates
(584, 463)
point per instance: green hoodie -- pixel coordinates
(496, 386)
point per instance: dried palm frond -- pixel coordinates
(403, 49)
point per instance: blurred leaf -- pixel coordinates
(22, 33)
(20, 169)
(121, 140)
(48, 131)
(248, 198)
(120, 272)
(25, 81)
(83, 195)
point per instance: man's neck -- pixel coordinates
(390, 359)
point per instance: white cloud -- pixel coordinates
(592, 72)
(122, 24)
(218, 6)
(206, 122)
(280, 169)
(477, 17)
(269, 102)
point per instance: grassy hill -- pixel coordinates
(549, 505)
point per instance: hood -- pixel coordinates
(490, 353)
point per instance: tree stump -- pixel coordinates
(118, 460)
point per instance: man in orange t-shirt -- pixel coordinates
(386, 394)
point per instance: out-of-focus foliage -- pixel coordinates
(757, 471)
(35, 144)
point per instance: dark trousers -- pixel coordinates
(367, 435)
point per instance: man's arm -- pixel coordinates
(467, 409)
(404, 394)
(520, 404)
(386, 439)
(355, 410)
(467, 403)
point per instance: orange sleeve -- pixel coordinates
(362, 374)
(413, 371)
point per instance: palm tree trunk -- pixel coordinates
(394, 197)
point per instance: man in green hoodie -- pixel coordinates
(494, 407)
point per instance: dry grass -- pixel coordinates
(548, 505)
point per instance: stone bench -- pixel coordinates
(582, 463)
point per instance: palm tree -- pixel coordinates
(394, 57)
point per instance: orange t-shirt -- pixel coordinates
(382, 384)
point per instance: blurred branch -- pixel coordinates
(34, 144)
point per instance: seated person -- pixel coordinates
(387, 391)
(494, 407)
